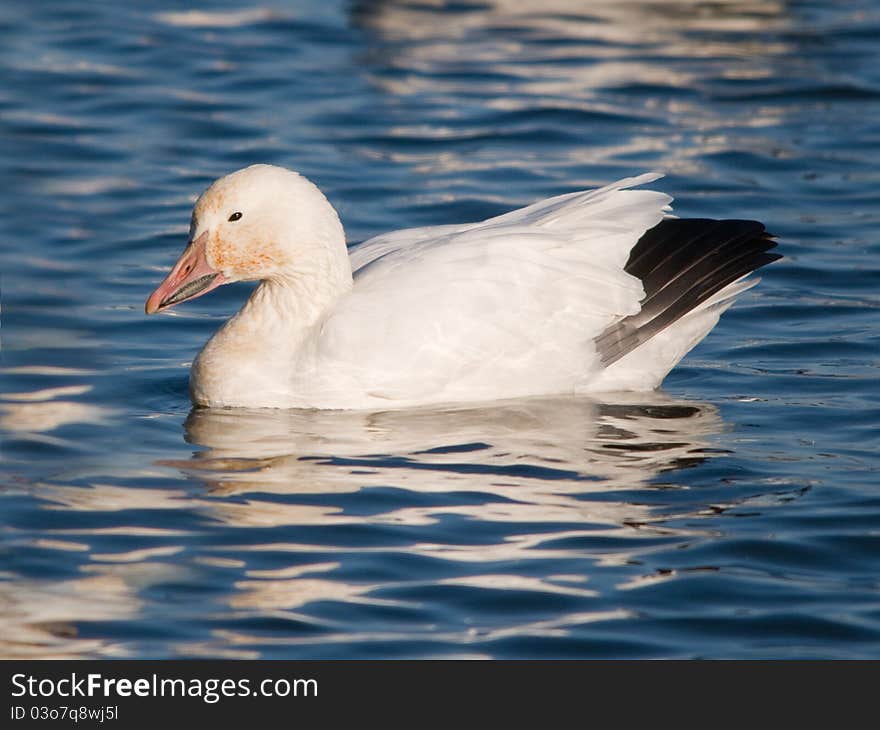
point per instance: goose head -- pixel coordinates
(263, 223)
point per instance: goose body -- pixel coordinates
(582, 293)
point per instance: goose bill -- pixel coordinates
(191, 277)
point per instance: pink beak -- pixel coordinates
(190, 278)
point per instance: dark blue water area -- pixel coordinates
(735, 513)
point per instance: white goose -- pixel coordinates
(582, 293)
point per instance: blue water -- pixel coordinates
(734, 514)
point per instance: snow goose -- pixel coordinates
(587, 292)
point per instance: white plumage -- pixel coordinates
(504, 308)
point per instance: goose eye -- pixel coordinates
(234, 217)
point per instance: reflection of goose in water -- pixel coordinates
(536, 456)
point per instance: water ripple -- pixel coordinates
(736, 516)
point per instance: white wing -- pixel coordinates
(502, 308)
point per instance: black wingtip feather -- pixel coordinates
(682, 263)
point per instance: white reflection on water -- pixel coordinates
(37, 617)
(30, 414)
(221, 19)
(533, 461)
(430, 37)
(620, 21)
(571, 57)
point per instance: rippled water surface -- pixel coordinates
(734, 514)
